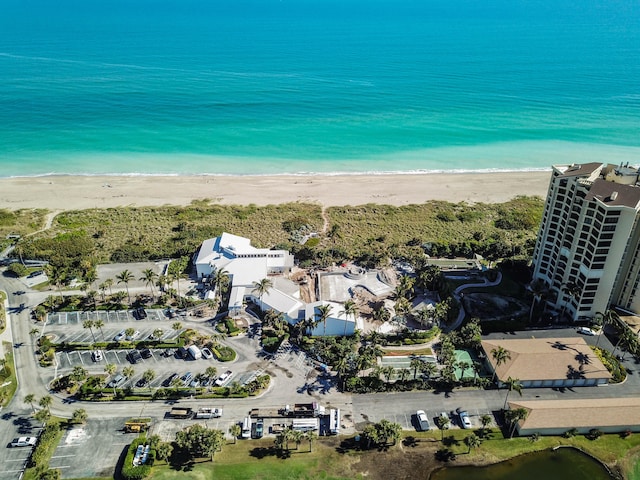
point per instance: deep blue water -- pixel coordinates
(270, 86)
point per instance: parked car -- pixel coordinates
(169, 352)
(116, 381)
(169, 313)
(223, 378)
(35, 274)
(142, 382)
(96, 355)
(186, 378)
(195, 383)
(134, 356)
(146, 353)
(167, 381)
(423, 420)
(140, 313)
(465, 421)
(259, 428)
(120, 336)
(206, 353)
(133, 336)
(586, 331)
(23, 442)
(181, 352)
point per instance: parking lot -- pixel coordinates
(91, 450)
(15, 424)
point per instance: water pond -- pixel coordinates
(562, 464)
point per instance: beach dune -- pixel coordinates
(82, 192)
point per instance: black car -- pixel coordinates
(146, 353)
(181, 352)
(141, 383)
(169, 379)
(134, 356)
(140, 313)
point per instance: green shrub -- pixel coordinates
(18, 269)
(131, 472)
(225, 354)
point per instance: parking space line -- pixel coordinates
(64, 456)
(80, 356)
(18, 460)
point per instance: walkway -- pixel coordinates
(456, 295)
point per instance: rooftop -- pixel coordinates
(546, 359)
(585, 413)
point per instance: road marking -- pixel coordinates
(11, 471)
(63, 456)
(18, 460)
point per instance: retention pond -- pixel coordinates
(561, 464)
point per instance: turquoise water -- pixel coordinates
(316, 86)
(563, 464)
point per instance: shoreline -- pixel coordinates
(79, 192)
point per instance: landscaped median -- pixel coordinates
(8, 380)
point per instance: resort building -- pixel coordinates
(555, 417)
(244, 263)
(588, 246)
(337, 323)
(546, 362)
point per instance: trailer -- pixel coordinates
(136, 425)
(306, 424)
(304, 410)
(334, 421)
(266, 412)
(180, 412)
(246, 428)
(209, 412)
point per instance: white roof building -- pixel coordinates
(337, 323)
(244, 263)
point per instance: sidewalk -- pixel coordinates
(6, 335)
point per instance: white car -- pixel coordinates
(222, 379)
(423, 420)
(206, 353)
(586, 331)
(465, 420)
(96, 355)
(133, 336)
(120, 336)
(23, 442)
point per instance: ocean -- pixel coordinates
(236, 87)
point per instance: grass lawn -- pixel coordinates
(407, 353)
(256, 460)
(3, 313)
(8, 375)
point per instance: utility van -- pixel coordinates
(246, 428)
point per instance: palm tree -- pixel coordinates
(118, 297)
(514, 416)
(78, 374)
(350, 309)
(56, 277)
(103, 290)
(148, 376)
(323, 313)
(220, 280)
(176, 326)
(297, 437)
(539, 291)
(79, 416)
(485, 421)
(417, 364)
(500, 355)
(158, 333)
(128, 372)
(30, 398)
(34, 332)
(512, 384)
(628, 340)
(235, 430)
(403, 374)
(125, 277)
(99, 324)
(472, 441)
(46, 402)
(262, 287)
(571, 290)
(110, 369)
(108, 283)
(92, 295)
(89, 324)
(311, 436)
(444, 422)
(148, 277)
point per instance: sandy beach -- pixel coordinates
(83, 192)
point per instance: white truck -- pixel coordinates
(209, 412)
(194, 352)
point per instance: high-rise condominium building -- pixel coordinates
(588, 246)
